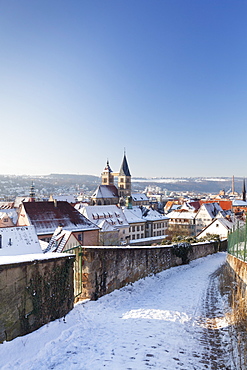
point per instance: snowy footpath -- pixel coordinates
(173, 320)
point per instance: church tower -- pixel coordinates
(124, 179)
(107, 177)
(32, 193)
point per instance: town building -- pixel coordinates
(219, 226)
(47, 216)
(111, 221)
(146, 225)
(206, 214)
(182, 222)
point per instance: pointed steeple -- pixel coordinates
(124, 179)
(107, 167)
(244, 191)
(124, 170)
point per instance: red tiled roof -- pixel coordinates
(224, 204)
(46, 217)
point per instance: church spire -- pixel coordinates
(124, 170)
(124, 179)
(244, 191)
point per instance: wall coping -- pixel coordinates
(32, 258)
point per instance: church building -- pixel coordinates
(108, 193)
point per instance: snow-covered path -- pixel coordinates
(161, 322)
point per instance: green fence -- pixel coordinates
(78, 284)
(237, 241)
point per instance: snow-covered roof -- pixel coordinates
(19, 200)
(138, 197)
(105, 226)
(6, 205)
(239, 203)
(58, 240)
(142, 214)
(47, 216)
(133, 215)
(111, 213)
(65, 198)
(105, 191)
(11, 213)
(150, 214)
(213, 209)
(18, 240)
(182, 214)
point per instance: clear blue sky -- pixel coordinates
(82, 80)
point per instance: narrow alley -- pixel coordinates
(173, 320)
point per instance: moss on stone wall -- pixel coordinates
(33, 294)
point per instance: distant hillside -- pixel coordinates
(198, 185)
(74, 178)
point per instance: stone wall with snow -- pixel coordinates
(105, 269)
(34, 290)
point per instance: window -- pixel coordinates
(80, 237)
(138, 236)
(138, 228)
(217, 225)
(5, 220)
(142, 228)
(133, 229)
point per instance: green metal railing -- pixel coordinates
(237, 241)
(78, 276)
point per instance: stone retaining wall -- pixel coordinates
(105, 269)
(33, 293)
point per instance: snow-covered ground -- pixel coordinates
(156, 323)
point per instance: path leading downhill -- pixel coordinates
(173, 320)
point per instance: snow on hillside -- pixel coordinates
(155, 323)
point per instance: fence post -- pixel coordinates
(245, 235)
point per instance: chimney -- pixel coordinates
(55, 203)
